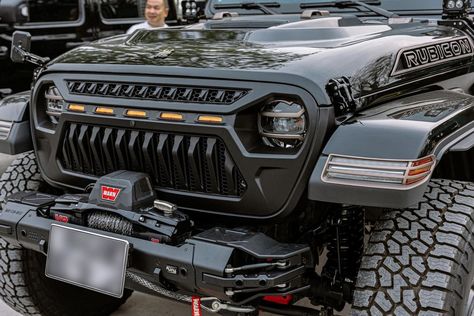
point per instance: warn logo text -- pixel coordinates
(109, 193)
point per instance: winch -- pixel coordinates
(232, 264)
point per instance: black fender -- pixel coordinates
(409, 128)
(15, 132)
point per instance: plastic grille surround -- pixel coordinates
(156, 92)
(175, 161)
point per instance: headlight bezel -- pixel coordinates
(289, 139)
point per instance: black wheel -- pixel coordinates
(420, 261)
(23, 285)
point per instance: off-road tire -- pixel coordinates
(420, 261)
(23, 285)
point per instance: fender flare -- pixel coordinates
(407, 129)
(15, 131)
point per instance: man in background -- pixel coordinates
(156, 12)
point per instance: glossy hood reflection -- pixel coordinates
(319, 49)
(193, 48)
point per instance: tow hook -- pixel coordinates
(217, 306)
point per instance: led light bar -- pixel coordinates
(378, 173)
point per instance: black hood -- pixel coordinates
(318, 50)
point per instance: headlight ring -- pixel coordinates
(282, 124)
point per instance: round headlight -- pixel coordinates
(55, 104)
(282, 124)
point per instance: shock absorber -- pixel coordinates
(345, 248)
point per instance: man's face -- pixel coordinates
(156, 12)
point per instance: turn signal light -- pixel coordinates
(422, 161)
(383, 173)
(77, 108)
(418, 171)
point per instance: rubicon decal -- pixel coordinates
(415, 58)
(109, 193)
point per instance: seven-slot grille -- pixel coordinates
(177, 161)
(156, 92)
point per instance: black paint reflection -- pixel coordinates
(201, 49)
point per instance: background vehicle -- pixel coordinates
(60, 25)
(218, 162)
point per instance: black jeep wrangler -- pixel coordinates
(238, 165)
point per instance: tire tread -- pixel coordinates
(416, 258)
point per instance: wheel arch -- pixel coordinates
(456, 163)
(15, 132)
(433, 123)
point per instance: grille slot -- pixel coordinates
(175, 161)
(156, 92)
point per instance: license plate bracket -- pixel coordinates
(86, 259)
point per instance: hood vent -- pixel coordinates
(167, 93)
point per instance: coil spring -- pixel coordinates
(346, 244)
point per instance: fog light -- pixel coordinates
(282, 124)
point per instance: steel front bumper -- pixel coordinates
(207, 263)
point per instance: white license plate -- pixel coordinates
(86, 259)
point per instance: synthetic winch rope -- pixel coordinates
(110, 222)
(162, 291)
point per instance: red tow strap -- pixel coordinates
(282, 300)
(196, 306)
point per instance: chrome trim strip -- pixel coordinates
(283, 136)
(283, 114)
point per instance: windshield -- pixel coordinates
(403, 7)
